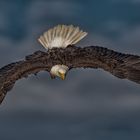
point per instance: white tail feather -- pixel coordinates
(61, 36)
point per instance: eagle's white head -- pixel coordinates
(59, 70)
(60, 37)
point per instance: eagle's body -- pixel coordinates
(60, 37)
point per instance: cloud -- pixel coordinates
(53, 10)
(127, 1)
(130, 38)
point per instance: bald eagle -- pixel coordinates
(60, 37)
(62, 55)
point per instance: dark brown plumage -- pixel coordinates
(124, 66)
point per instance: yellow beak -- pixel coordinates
(62, 76)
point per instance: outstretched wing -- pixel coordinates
(124, 66)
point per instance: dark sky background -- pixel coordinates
(89, 104)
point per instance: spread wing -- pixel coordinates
(124, 66)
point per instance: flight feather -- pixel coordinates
(61, 36)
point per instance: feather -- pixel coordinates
(56, 68)
(61, 36)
